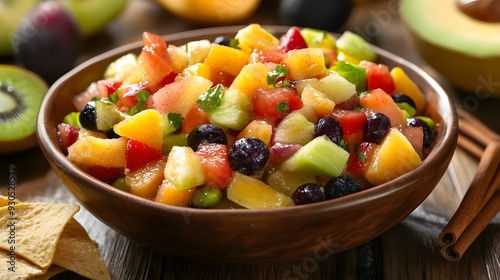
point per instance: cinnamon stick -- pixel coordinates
(475, 196)
(470, 146)
(490, 210)
(475, 129)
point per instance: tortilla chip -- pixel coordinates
(17, 268)
(36, 228)
(77, 252)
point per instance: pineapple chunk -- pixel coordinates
(145, 182)
(145, 126)
(333, 86)
(92, 151)
(178, 57)
(305, 63)
(394, 157)
(184, 169)
(252, 193)
(255, 37)
(318, 101)
(288, 182)
(251, 77)
(197, 50)
(226, 59)
(294, 129)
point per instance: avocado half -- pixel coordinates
(464, 50)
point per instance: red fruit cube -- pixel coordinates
(215, 164)
(378, 76)
(359, 159)
(138, 154)
(68, 134)
(105, 174)
(292, 40)
(274, 104)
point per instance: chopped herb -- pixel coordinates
(211, 98)
(359, 154)
(112, 98)
(276, 75)
(282, 107)
(175, 119)
(234, 43)
(141, 97)
(343, 144)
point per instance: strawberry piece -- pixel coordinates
(138, 154)
(215, 164)
(292, 40)
(68, 134)
(109, 85)
(105, 174)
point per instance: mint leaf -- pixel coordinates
(141, 97)
(175, 119)
(234, 43)
(282, 107)
(343, 144)
(211, 98)
(278, 73)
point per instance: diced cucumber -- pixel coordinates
(353, 73)
(354, 46)
(234, 111)
(320, 157)
(316, 38)
(172, 140)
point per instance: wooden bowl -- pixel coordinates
(247, 236)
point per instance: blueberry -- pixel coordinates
(341, 186)
(308, 193)
(206, 133)
(376, 127)
(222, 40)
(249, 156)
(87, 116)
(330, 127)
(400, 98)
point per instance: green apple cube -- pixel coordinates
(184, 168)
(320, 157)
(334, 86)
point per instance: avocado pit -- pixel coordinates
(483, 10)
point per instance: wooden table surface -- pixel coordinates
(408, 251)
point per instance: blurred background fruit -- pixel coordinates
(11, 13)
(211, 12)
(47, 41)
(321, 14)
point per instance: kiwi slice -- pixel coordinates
(21, 94)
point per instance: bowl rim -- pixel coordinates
(449, 137)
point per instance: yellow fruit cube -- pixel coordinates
(318, 101)
(255, 37)
(251, 77)
(170, 195)
(197, 69)
(226, 59)
(184, 169)
(145, 126)
(305, 63)
(258, 129)
(394, 157)
(405, 85)
(144, 182)
(252, 193)
(92, 151)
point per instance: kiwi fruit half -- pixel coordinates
(21, 94)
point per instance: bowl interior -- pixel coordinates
(98, 197)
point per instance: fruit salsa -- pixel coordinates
(254, 121)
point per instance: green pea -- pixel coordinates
(206, 196)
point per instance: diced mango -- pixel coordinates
(92, 151)
(394, 157)
(145, 126)
(255, 37)
(226, 59)
(170, 195)
(145, 182)
(197, 69)
(406, 86)
(252, 193)
(258, 129)
(251, 77)
(305, 63)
